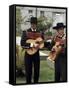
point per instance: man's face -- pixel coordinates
(60, 31)
(33, 26)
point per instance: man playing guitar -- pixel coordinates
(31, 42)
(59, 44)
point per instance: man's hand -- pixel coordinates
(31, 45)
(36, 45)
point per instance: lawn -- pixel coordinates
(46, 73)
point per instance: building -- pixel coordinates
(57, 15)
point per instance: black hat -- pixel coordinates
(59, 25)
(33, 20)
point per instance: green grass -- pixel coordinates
(46, 73)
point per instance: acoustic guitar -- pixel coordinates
(57, 48)
(55, 52)
(38, 43)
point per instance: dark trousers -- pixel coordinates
(61, 68)
(30, 62)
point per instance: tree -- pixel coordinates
(44, 23)
(19, 20)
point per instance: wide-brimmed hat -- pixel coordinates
(33, 20)
(59, 25)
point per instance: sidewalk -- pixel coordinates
(44, 55)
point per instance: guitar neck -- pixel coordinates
(39, 42)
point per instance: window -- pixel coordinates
(42, 13)
(30, 11)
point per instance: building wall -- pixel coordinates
(58, 15)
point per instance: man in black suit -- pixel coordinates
(31, 59)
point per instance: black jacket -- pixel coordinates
(24, 38)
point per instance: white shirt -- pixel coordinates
(33, 29)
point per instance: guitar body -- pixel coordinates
(37, 44)
(55, 51)
(52, 56)
(31, 50)
(40, 41)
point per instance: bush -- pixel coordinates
(44, 23)
(49, 33)
(19, 57)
